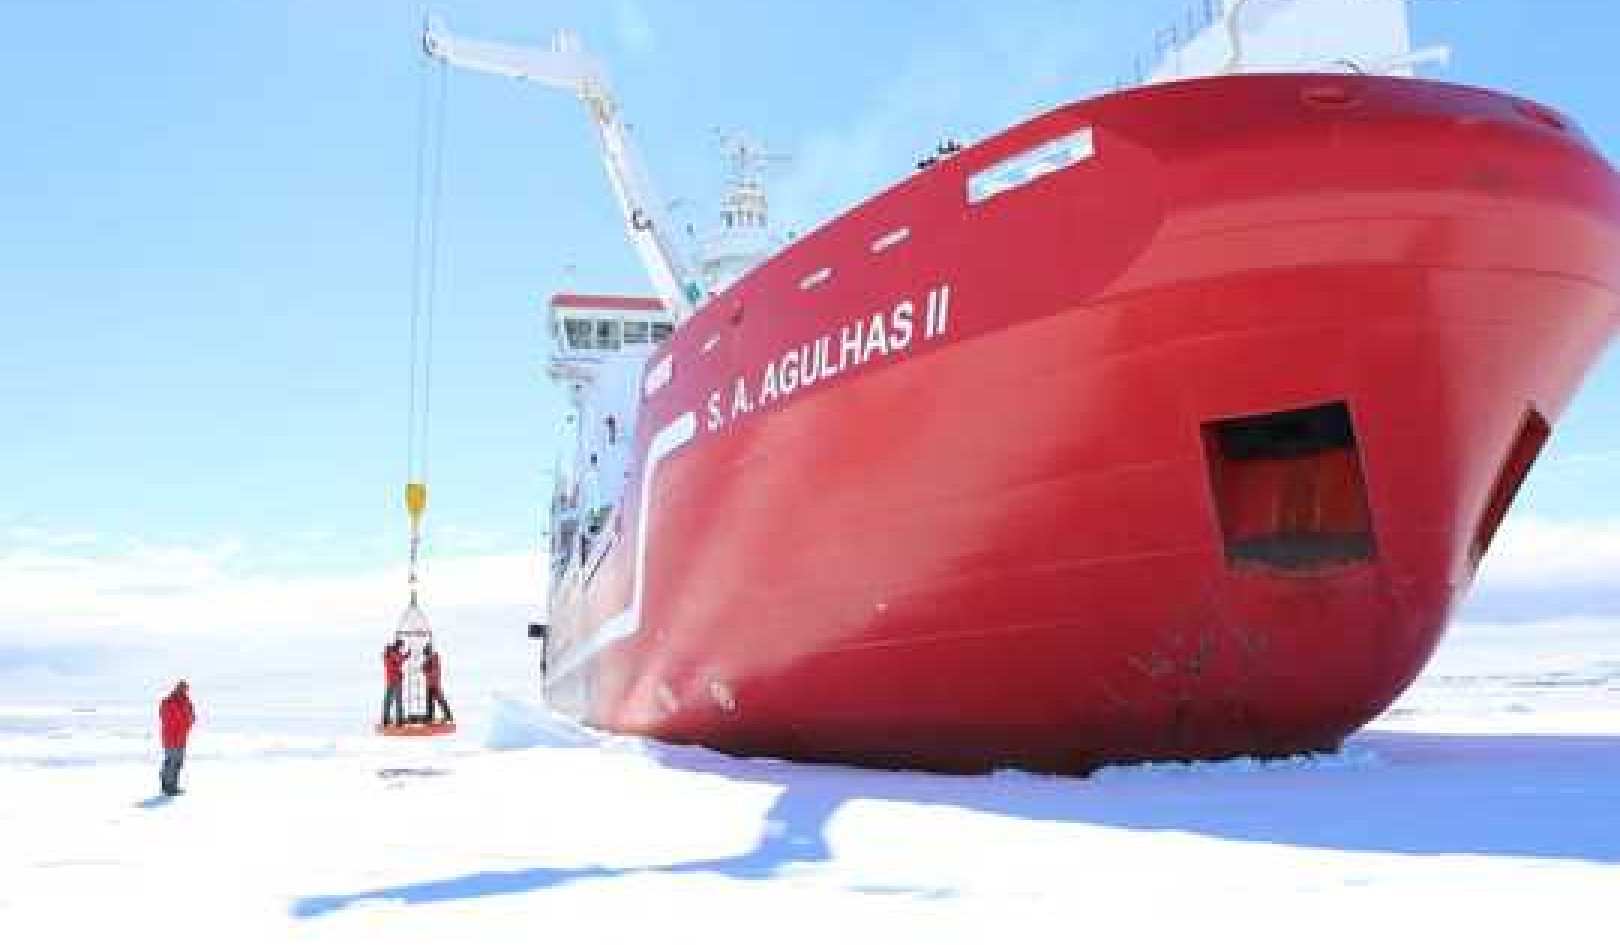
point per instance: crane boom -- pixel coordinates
(568, 67)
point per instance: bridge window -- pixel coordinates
(635, 333)
(660, 331)
(577, 332)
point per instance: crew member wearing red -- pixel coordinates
(394, 656)
(431, 671)
(176, 715)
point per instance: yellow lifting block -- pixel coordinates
(415, 499)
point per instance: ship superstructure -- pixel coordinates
(599, 348)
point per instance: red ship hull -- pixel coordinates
(1189, 451)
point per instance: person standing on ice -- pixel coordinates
(176, 715)
(431, 672)
(394, 656)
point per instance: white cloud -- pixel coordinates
(632, 25)
(127, 590)
(33, 535)
(1532, 553)
(123, 619)
(51, 592)
(932, 96)
(835, 167)
(1605, 458)
(1594, 466)
(458, 541)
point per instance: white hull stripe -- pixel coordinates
(659, 375)
(625, 623)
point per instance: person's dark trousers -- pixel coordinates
(173, 758)
(436, 698)
(392, 699)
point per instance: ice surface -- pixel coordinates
(1484, 807)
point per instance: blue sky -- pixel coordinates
(209, 208)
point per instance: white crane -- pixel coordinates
(568, 67)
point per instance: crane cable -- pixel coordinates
(424, 291)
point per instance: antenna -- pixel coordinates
(744, 235)
(747, 160)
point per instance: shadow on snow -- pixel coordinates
(1538, 796)
(791, 836)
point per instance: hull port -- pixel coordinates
(1533, 433)
(1289, 489)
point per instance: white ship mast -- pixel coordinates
(568, 67)
(744, 237)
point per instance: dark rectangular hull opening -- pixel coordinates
(1289, 488)
(1533, 433)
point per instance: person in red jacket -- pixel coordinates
(394, 656)
(432, 673)
(176, 715)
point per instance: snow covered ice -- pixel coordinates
(1483, 807)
